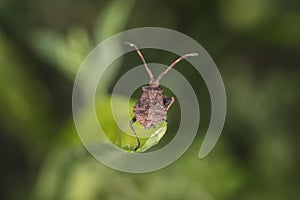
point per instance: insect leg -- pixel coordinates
(136, 137)
(168, 102)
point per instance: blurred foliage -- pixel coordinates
(256, 47)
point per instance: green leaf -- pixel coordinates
(154, 137)
(125, 139)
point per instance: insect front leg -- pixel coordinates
(168, 102)
(136, 137)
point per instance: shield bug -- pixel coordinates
(152, 106)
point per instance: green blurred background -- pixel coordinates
(256, 46)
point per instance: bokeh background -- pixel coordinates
(256, 46)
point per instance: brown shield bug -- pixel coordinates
(152, 106)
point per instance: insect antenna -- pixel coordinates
(173, 64)
(143, 59)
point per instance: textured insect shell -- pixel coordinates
(149, 109)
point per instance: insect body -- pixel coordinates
(152, 106)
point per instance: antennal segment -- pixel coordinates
(143, 59)
(173, 64)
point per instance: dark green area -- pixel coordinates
(255, 45)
